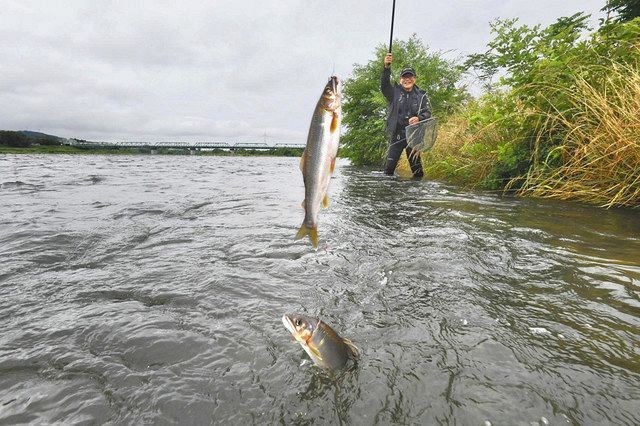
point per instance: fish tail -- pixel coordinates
(311, 232)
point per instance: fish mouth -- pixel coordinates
(332, 99)
(335, 85)
(288, 324)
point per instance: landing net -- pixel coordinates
(422, 135)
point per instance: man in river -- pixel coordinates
(408, 104)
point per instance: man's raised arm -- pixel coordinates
(385, 79)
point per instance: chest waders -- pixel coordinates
(397, 143)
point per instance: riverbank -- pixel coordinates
(65, 149)
(61, 150)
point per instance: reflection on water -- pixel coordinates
(150, 289)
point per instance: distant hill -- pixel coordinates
(38, 135)
(26, 138)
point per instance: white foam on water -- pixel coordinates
(539, 330)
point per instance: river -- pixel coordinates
(149, 289)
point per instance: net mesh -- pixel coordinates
(422, 135)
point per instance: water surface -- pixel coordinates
(139, 289)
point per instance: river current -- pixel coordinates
(149, 289)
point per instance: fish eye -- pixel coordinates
(298, 323)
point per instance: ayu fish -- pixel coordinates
(319, 157)
(321, 342)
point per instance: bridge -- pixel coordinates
(192, 146)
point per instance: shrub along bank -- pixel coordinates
(564, 123)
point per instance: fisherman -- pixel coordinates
(408, 105)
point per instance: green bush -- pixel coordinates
(48, 141)
(540, 68)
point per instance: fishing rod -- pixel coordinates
(393, 14)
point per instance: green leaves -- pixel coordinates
(516, 51)
(625, 10)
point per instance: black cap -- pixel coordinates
(408, 70)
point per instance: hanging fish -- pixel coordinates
(319, 157)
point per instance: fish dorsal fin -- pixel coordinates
(325, 201)
(333, 165)
(353, 348)
(334, 123)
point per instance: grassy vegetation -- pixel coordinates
(598, 158)
(60, 149)
(277, 152)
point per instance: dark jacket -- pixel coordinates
(418, 102)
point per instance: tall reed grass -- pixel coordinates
(599, 153)
(463, 154)
(586, 144)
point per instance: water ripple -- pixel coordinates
(143, 289)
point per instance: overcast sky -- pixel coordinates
(213, 70)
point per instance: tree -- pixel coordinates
(517, 50)
(626, 10)
(14, 139)
(364, 141)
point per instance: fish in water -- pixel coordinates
(319, 157)
(321, 342)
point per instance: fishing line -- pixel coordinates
(397, 141)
